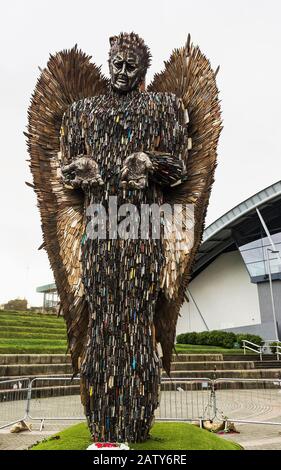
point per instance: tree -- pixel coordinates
(16, 304)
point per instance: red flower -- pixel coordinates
(101, 445)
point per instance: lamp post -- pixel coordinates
(271, 291)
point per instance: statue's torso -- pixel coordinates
(112, 126)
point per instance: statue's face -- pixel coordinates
(125, 70)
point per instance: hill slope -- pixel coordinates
(25, 332)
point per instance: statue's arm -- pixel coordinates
(82, 172)
(168, 169)
(163, 168)
(78, 167)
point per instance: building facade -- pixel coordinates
(50, 297)
(236, 282)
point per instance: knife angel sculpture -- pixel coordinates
(105, 153)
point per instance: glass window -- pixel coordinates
(252, 255)
(255, 257)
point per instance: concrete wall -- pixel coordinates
(225, 296)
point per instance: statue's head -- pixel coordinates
(129, 59)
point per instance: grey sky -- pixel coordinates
(243, 36)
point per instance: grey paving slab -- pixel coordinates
(259, 405)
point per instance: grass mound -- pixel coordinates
(164, 436)
(31, 333)
(35, 333)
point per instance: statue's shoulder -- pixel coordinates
(163, 98)
(85, 104)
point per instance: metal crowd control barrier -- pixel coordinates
(54, 399)
(184, 399)
(57, 399)
(13, 399)
(252, 401)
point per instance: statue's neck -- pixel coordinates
(124, 94)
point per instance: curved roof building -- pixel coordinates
(236, 281)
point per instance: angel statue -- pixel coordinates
(98, 143)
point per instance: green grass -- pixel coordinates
(201, 349)
(35, 333)
(27, 314)
(31, 333)
(26, 329)
(164, 436)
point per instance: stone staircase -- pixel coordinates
(183, 366)
(219, 366)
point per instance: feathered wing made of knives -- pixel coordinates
(97, 145)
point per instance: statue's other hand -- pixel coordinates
(83, 173)
(135, 171)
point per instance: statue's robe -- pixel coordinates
(121, 368)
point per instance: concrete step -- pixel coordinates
(6, 359)
(34, 369)
(10, 359)
(268, 365)
(220, 357)
(226, 365)
(248, 357)
(228, 373)
(196, 357)
(63, 368)
(218, 365)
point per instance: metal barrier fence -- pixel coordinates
(13, 399)
(253, 401)
(184, 399)
(52, 398)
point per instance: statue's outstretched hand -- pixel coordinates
(135, 171)
(83, 173)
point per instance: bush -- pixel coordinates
(247, 336)
(224, 339)
(16, 304)
(273, 347)
(187, 338)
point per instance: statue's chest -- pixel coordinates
(130, 124)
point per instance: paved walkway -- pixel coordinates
(26, 439)
(257, 436)
(21, 441)
(254, 404)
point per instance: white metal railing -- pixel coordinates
(278, 350)
(272, 344)
(257, 348)
(262, 349)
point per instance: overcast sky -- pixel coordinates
(242, 36)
